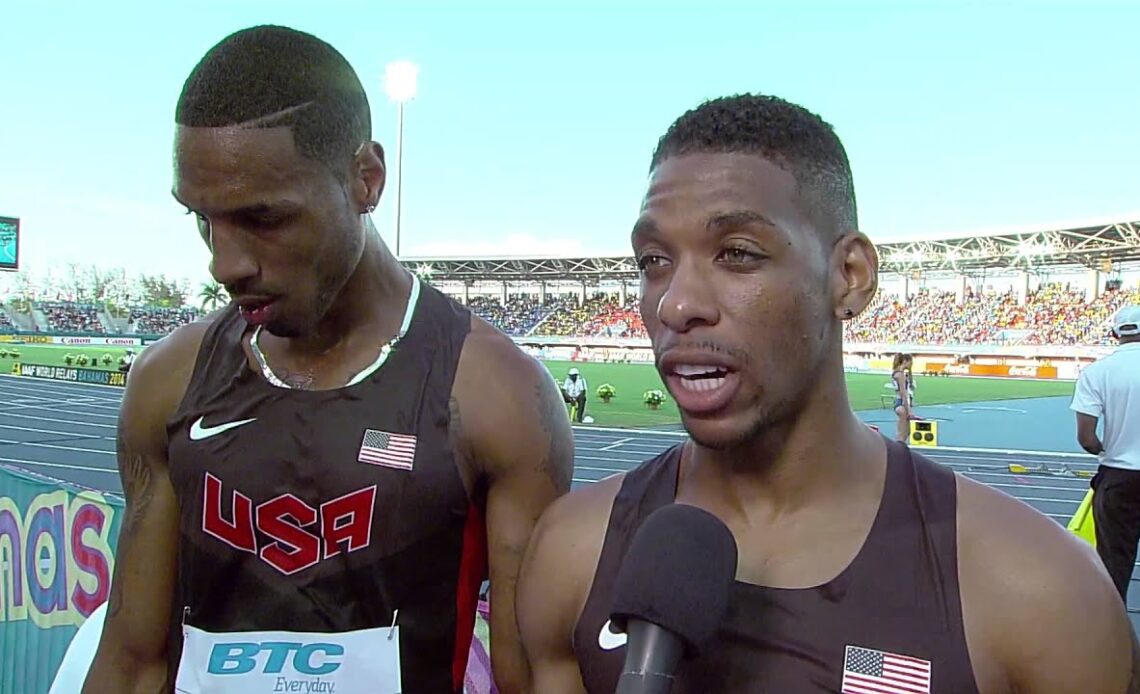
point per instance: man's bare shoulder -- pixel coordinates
(176, 348)
(569, 537)
(997, 531)
(492, 368)
(492, 353)
(1039, 609)
(161, 372)
(561, 561)
(508, 418)
(581, 516)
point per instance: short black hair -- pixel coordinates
(787, 134)
(270, 76)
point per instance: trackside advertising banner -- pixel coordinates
(95, 340)
(71, 373)
(57, 548)
(998, 370)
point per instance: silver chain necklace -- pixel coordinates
(385, 350)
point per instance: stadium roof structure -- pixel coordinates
(1096, 246)
(524, 269)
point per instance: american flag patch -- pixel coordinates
(874, 672)
(387, 449)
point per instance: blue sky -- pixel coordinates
(532, 128)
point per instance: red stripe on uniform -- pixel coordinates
(472, 569)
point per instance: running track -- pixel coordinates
(67, 431)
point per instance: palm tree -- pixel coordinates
(212, 295)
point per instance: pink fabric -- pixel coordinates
(478, 679)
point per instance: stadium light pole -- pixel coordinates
(400, 84)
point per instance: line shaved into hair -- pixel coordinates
(271, 76)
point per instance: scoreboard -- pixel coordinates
(9, 243)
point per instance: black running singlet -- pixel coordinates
(890, 622)
(326, 512)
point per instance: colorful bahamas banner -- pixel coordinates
(57, 549)
(478, 679)
(56, 562)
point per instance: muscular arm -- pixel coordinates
(546, 617)
(555, 580)
(1078, 639)
(1134, 675)
(132, 651)
(518, 434)
(1038, 604)
(1089, 406)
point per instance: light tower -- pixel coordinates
(400, 85)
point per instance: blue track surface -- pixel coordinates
(67, 431)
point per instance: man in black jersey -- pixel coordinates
(319, 476)
(862, 566)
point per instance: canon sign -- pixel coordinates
(1023, 371)
(116, 341)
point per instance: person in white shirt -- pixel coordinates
(1109, 389)
(126, 361)
(574, 389)
(80, 652)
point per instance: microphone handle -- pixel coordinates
(651, 658)
(646, 683)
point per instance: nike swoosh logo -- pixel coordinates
(199, 432)
(608, 639)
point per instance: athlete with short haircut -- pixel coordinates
(863, 566)
(320, 476)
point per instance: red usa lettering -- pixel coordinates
(301, 536)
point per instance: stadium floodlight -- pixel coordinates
(1031, 248)
(400, 81)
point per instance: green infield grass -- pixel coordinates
(56, 355)
(630, 382)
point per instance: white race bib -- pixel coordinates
(272, 662)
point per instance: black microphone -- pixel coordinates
(671, 594)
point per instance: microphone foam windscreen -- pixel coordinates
(677, 573)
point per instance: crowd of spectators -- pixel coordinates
(1053, 314)
(72, 317)
(934, 317)
(1062, 316)
(160, 321)
(519, 316)
(613, 320)
(572, 318)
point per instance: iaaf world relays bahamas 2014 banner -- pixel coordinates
(57, 548)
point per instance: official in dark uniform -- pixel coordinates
(863, 567)
(320, 476)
